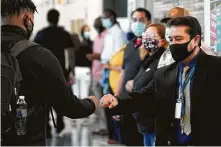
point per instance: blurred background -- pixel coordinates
(75, 13)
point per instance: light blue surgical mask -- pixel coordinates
(138, 28)
(106, 22)
(86, 35)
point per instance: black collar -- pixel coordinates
(14, 30)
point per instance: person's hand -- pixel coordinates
(107, 66)
(89, 57)
(96, 102)
(129, 86)
(116, 117)
(108, 101)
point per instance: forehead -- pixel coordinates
(151, 30)
(138, 14)
(86, 28)
(178, 30)
(106, 14)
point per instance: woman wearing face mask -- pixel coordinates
(154, 44)
(83, 64)
(85, 48)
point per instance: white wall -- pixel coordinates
(83, 9)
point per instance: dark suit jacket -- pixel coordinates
(162, 92)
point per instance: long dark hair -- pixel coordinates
(100, 27)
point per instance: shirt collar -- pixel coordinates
(11, 29)
(191, 64)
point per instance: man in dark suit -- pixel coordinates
(186, 94)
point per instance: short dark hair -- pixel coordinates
(191, 22)
(15, 7)
(53, 16)
(147, 13)
(111, 13)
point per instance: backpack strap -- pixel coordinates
(21, 46)
(17, 49)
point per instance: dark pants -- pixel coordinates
(110, 125)
(113, 126)
(129, 131)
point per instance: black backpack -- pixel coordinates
(10, 78)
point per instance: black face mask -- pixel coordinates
(180, 52)
(29, 28)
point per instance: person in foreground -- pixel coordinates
(185, 94)
(43, 79)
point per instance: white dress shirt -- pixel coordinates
(113, 41)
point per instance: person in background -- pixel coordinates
(58, 41)
(43, 82)
(114, 38)
(154, 44)
(85, 48)
(115, 68)
(97, 67)
(186, 104)
(166, 58)
(113, 41)
(140, 19)
(83, 64)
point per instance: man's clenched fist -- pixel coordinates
(108, 101)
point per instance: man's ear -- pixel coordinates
(28, 16)
(197, 39)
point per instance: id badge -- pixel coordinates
(178, 110)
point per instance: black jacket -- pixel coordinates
(205, 102)
(84, 49)
(131, 63)
(145, 121)
(56, 39)
(43, 84)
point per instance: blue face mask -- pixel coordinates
(86, 35)
(106, 22)
(138, 28)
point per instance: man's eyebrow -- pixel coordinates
(175, 36)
